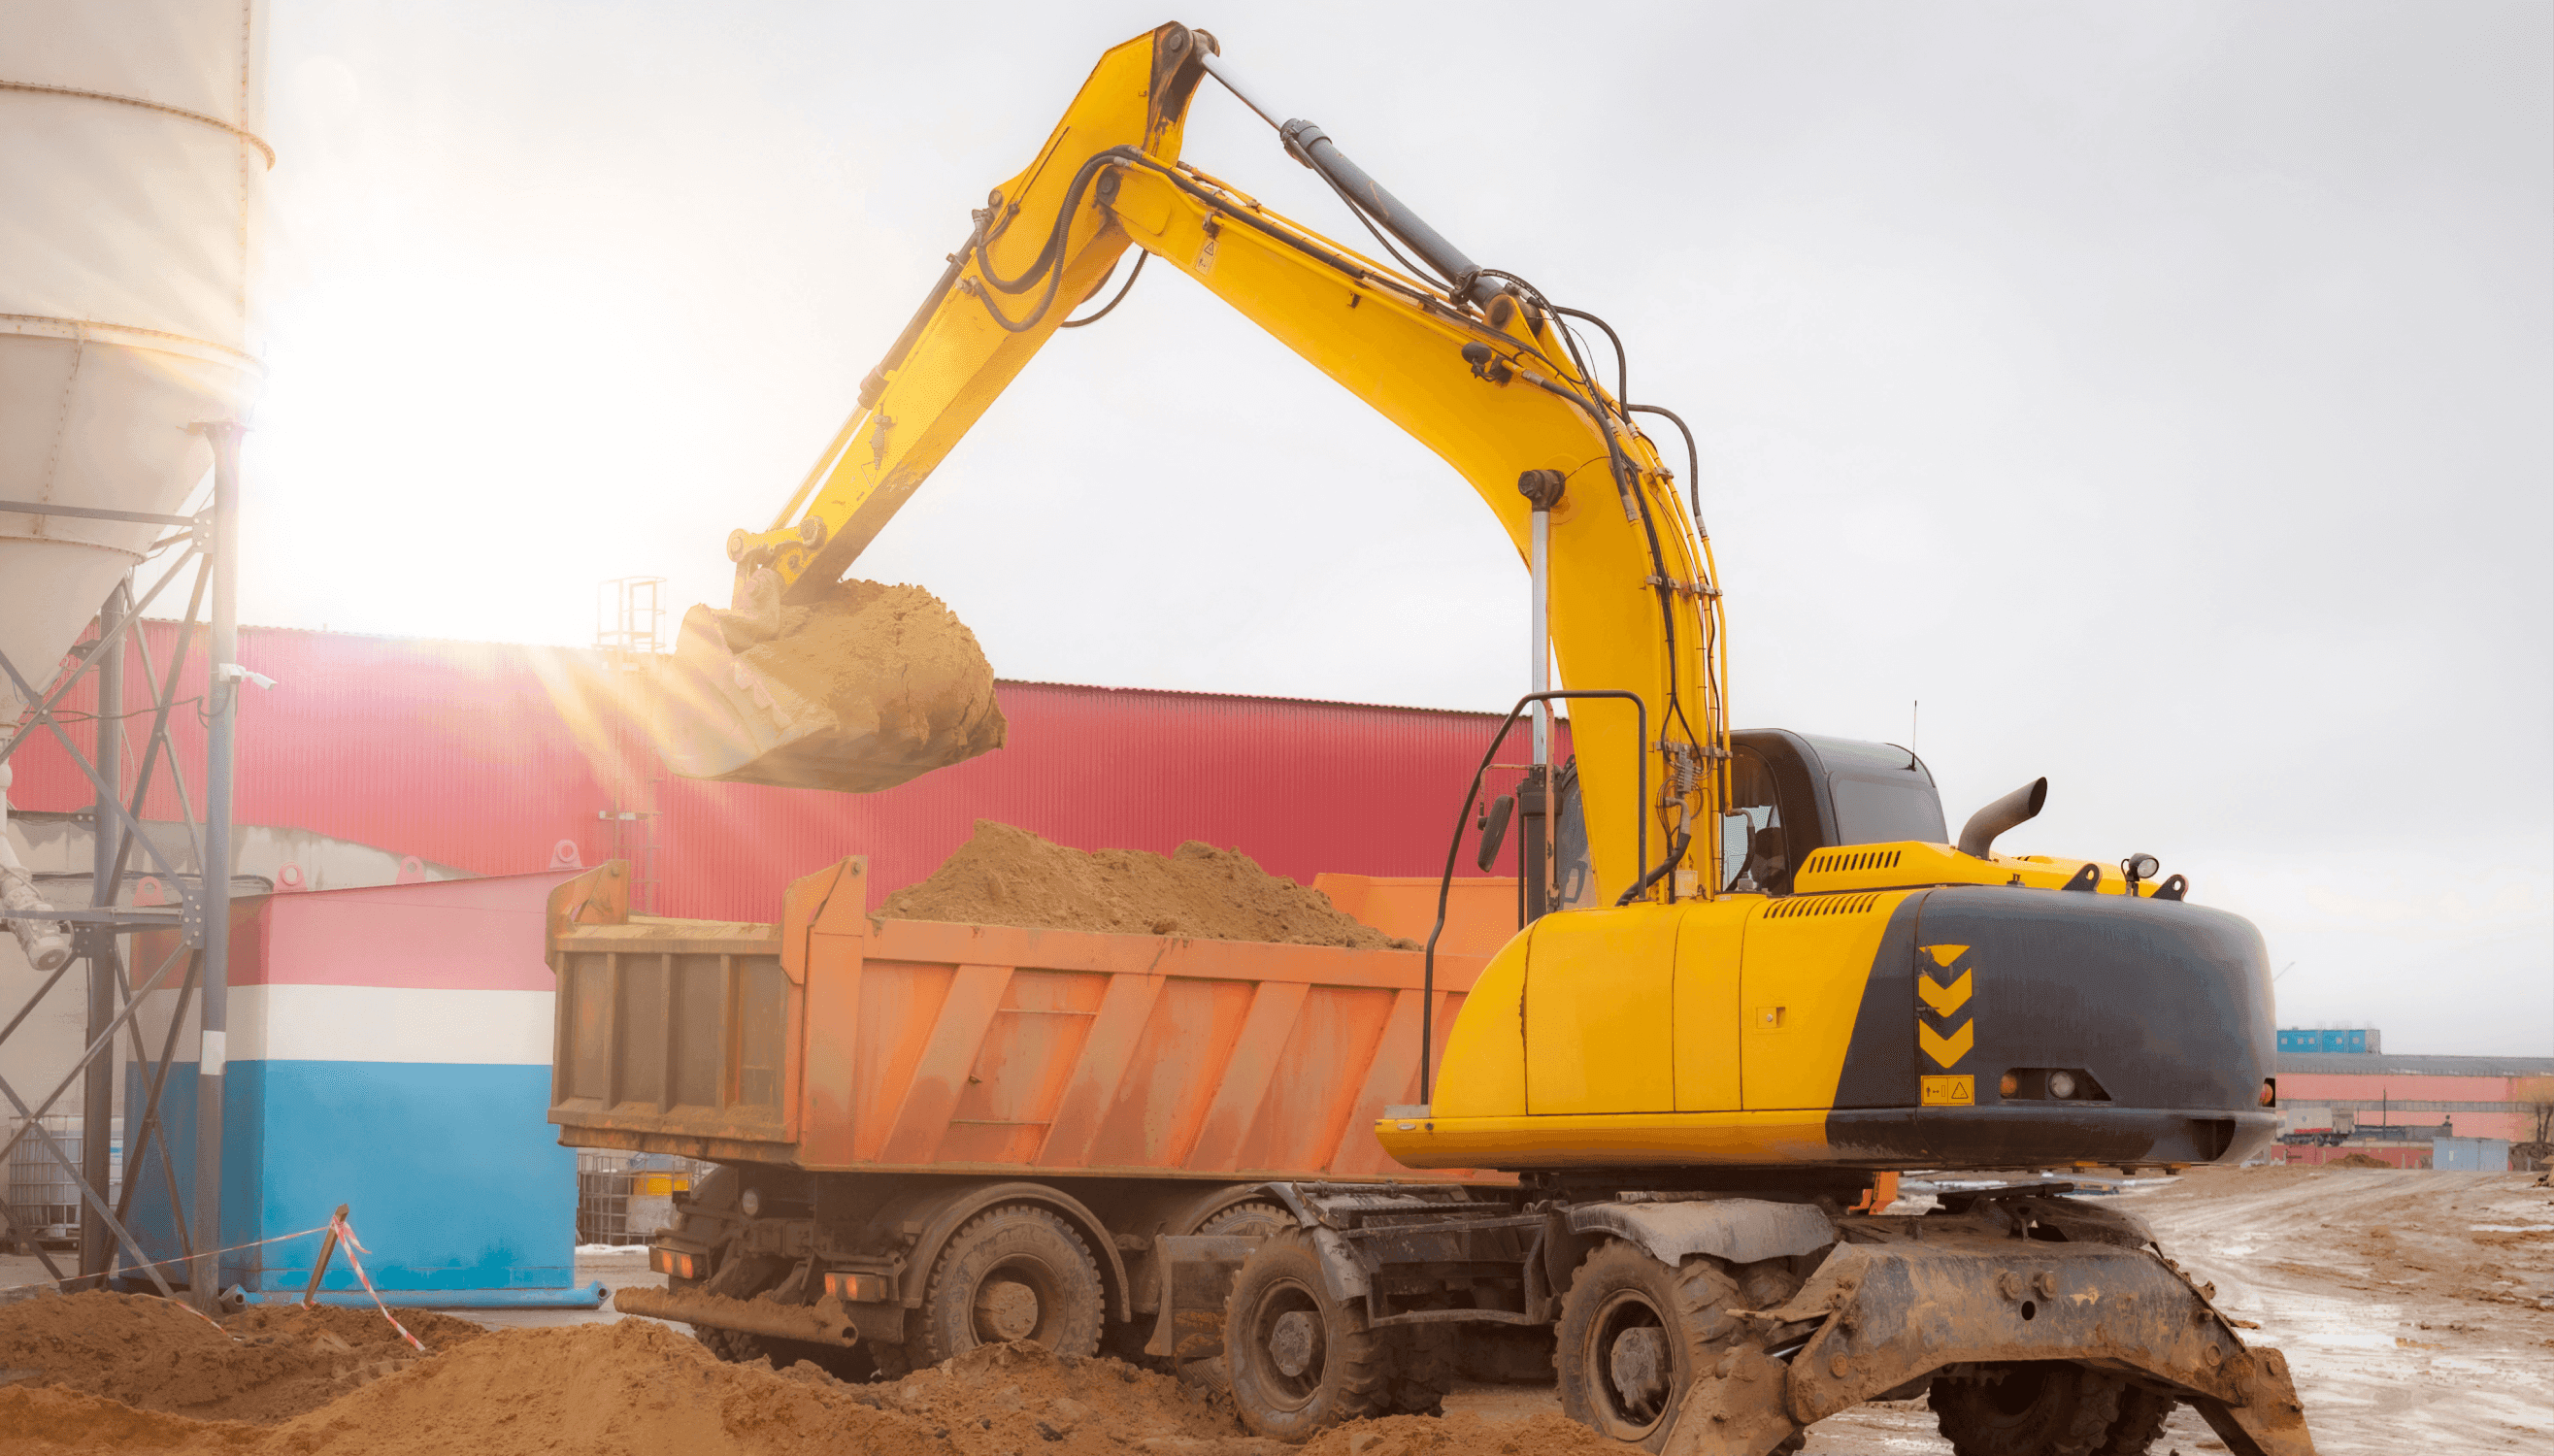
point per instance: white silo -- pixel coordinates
(132, 194)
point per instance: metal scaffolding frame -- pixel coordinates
(208, 543)
(629, 632)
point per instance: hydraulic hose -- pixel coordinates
(1089, 319)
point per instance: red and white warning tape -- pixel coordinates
(191, 1309)
(121, 1269)
(346, 1235)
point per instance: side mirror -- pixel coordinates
(1494, 830)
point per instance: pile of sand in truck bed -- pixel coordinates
(1009, 876)
(264, 1363)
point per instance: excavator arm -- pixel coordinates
(1476, 363)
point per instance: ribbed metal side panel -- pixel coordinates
(484, 756)
(1300, 787)
(460, 753)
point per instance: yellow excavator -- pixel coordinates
(1755, 970)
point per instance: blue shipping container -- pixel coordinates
(2328, 1039)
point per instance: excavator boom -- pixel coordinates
(1475, 363)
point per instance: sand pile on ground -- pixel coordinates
(640, 1389)
(1009, 876)
(1460, 1435)
(861, 691)
(2358, 1160)
(263, 1364)
(1020, 1398)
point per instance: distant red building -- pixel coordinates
(2374, 1096)
(489, 757)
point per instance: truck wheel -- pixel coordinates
(1633, 1332)
(1256, 1219)
(1013, 1273)
(2031, 1408)
(2139, 1423)
(1298, 1362)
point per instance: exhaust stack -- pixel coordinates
(1978, 835)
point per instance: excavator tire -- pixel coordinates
(1633, 1333)
(2030, 1408)
(1016, 1272)
(1299, 1362)
(2139, 1423)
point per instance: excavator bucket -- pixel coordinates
(858, 692)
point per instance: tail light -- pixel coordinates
(2051, 1084)
(672, 1261)
(859, 1287)
(2269, 1091)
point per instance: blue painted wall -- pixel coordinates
(456, 1180)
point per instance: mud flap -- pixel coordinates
(1876, 1316)
(1197, 1274)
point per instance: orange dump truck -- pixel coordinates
(932, 1135)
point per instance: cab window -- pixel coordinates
(1753, 850)
(1877, 811)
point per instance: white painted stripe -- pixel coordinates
(300, 1023)
(405, 1024)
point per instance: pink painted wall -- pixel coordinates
(484, 756)
(2309, 1089)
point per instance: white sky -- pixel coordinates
(2160, 393)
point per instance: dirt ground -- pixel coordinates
(2416, 1309)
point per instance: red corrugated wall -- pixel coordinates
(483, 756)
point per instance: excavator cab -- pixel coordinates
(1794, 793)
(1790, 795)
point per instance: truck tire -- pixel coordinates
(1017, 1271)
(1256, 1219)
(1634, 1333)
(2028, 1407)
(1298, 1362)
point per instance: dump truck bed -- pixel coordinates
(838, 1042)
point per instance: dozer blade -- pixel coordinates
(1880, 1316)
(862, 691)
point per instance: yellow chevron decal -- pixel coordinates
(1948, 1049)
(1943, 956)
(1943, 999)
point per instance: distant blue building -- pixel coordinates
(2363, 1039)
